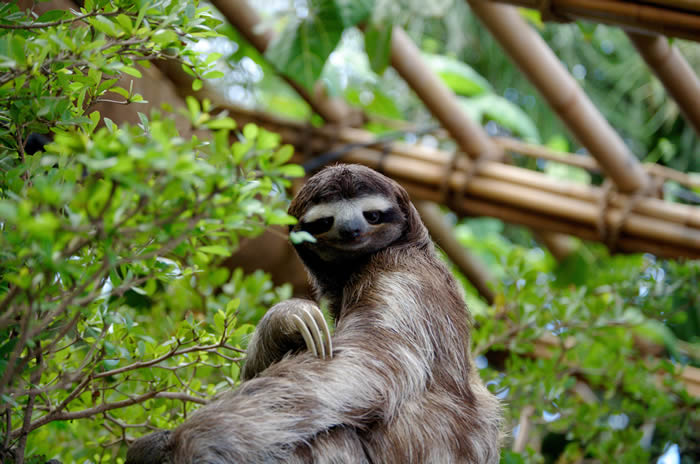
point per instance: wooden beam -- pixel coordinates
(542, 67)
(673, 18)
(508, 192)
(666, 61)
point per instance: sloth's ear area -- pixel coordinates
(415, 232)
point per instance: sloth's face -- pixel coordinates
(349, 228)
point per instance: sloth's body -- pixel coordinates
(400, 387)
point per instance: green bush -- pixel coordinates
(114, 306)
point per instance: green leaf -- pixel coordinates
(494, 108)
(8, 210)
(458, 76)
(281, 218)
(232, 306)
(378, 46)
(354, 12)
(120, 91)
(213, 75)
(103, 25)
(197, 85)
(221, 123)
(165, 37)
(51, 16)
(292, 170)
(284, 154)
(250, 131)
(380, 103)
(125, 23)
(219, 250)
(301, 50)
(130, 71)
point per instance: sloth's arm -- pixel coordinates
(373, 370)
(288, 326)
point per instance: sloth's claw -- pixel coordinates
(321, 321)
(304, 330)
(314, 329)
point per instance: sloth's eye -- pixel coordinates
(318, 226)
(373, 217)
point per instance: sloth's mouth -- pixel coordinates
(351, 244)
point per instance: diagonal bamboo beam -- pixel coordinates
(438, 98)
(673, 71)
(545, 71)
(673, 18)
(442, 233)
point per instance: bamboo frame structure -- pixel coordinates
(469, 135)
(440, 100)
(674, 72)
(674, 18)
(537, 61)
(491, 188)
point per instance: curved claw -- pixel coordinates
(305, 333)
(321, 322)
(314, 329)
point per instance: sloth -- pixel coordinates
(394, 383)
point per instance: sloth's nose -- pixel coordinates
(351, 229)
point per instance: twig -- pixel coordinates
(28, 410)
(62, 21)
(90, 412)
(8, 428)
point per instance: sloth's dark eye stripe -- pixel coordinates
(318, 226)
(391, 215)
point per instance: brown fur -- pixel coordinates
(401, 387)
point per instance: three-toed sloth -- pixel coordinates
(398, 384)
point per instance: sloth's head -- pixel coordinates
(352, 212)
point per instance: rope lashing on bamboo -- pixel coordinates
(610, 233)
(548, 13)
(459, 163)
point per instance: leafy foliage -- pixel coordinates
(574, 350)
(115, 306)
(118, 315)
(51, 73)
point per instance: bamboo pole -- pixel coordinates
(440, 100)
(442, 103)
(692, 5)
(564, 95)
(652, 225)
(667, 20)
(586, 162)
(674, 72)
(559, 245)
(323, 137)
(515, 146)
